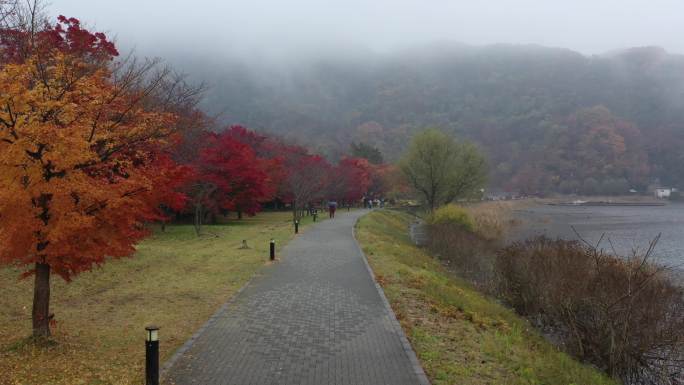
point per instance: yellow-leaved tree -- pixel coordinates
(82, 153)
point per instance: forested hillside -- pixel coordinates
(549, 119)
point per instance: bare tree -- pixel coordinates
(306, 182)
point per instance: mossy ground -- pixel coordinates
(460, 336)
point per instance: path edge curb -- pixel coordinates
(408, 349)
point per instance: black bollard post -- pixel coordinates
(315, 214)
(272, 249)
(296, 227)
(152, 356)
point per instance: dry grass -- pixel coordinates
(494, 219)
(623, 314)
(176, 281)
(461, 337)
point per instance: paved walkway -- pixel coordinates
(314, 318)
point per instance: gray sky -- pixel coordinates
(249, 26)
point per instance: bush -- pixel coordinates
(624, 315)
(470, 254)
(619, 186)
(569, 187)
(591, 186)
(466, 239)
(452, 214)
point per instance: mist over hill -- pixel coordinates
(549, 119)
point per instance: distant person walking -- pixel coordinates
(332, 206)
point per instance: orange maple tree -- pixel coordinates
(82, 157)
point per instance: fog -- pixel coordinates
(285, 28)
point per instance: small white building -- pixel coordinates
(663, 192)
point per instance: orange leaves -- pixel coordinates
(81, 164)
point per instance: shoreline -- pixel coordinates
(610, 204)
(623, 229)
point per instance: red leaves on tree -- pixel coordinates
(306, 176)
(170, 177)
(353, 178)
(240, 178)
(387, 179)
(82, 161)
(66, 36)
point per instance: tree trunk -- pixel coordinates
(431, 201)
(239, 214)
(198, 219)
(41, 301)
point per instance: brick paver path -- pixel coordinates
(314, 318)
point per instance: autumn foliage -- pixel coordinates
(354, 179)
(66, 36)
(308, 177)
(93, 149)
(76, 181)
(232, 176)
(83, 161)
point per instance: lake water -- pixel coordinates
(628, 228)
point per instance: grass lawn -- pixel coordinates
(176, 281)
(460, 336)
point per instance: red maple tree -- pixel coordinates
(229, 176)
(353, 178)
(307, 178)
(82, 160)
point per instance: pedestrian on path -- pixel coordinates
(332, 206)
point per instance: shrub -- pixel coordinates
(591, 186)
(466, 239)
(470, 250)
(615, 186)
(569, 187)
(451, 214)
(467, 252)
(624, 315)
